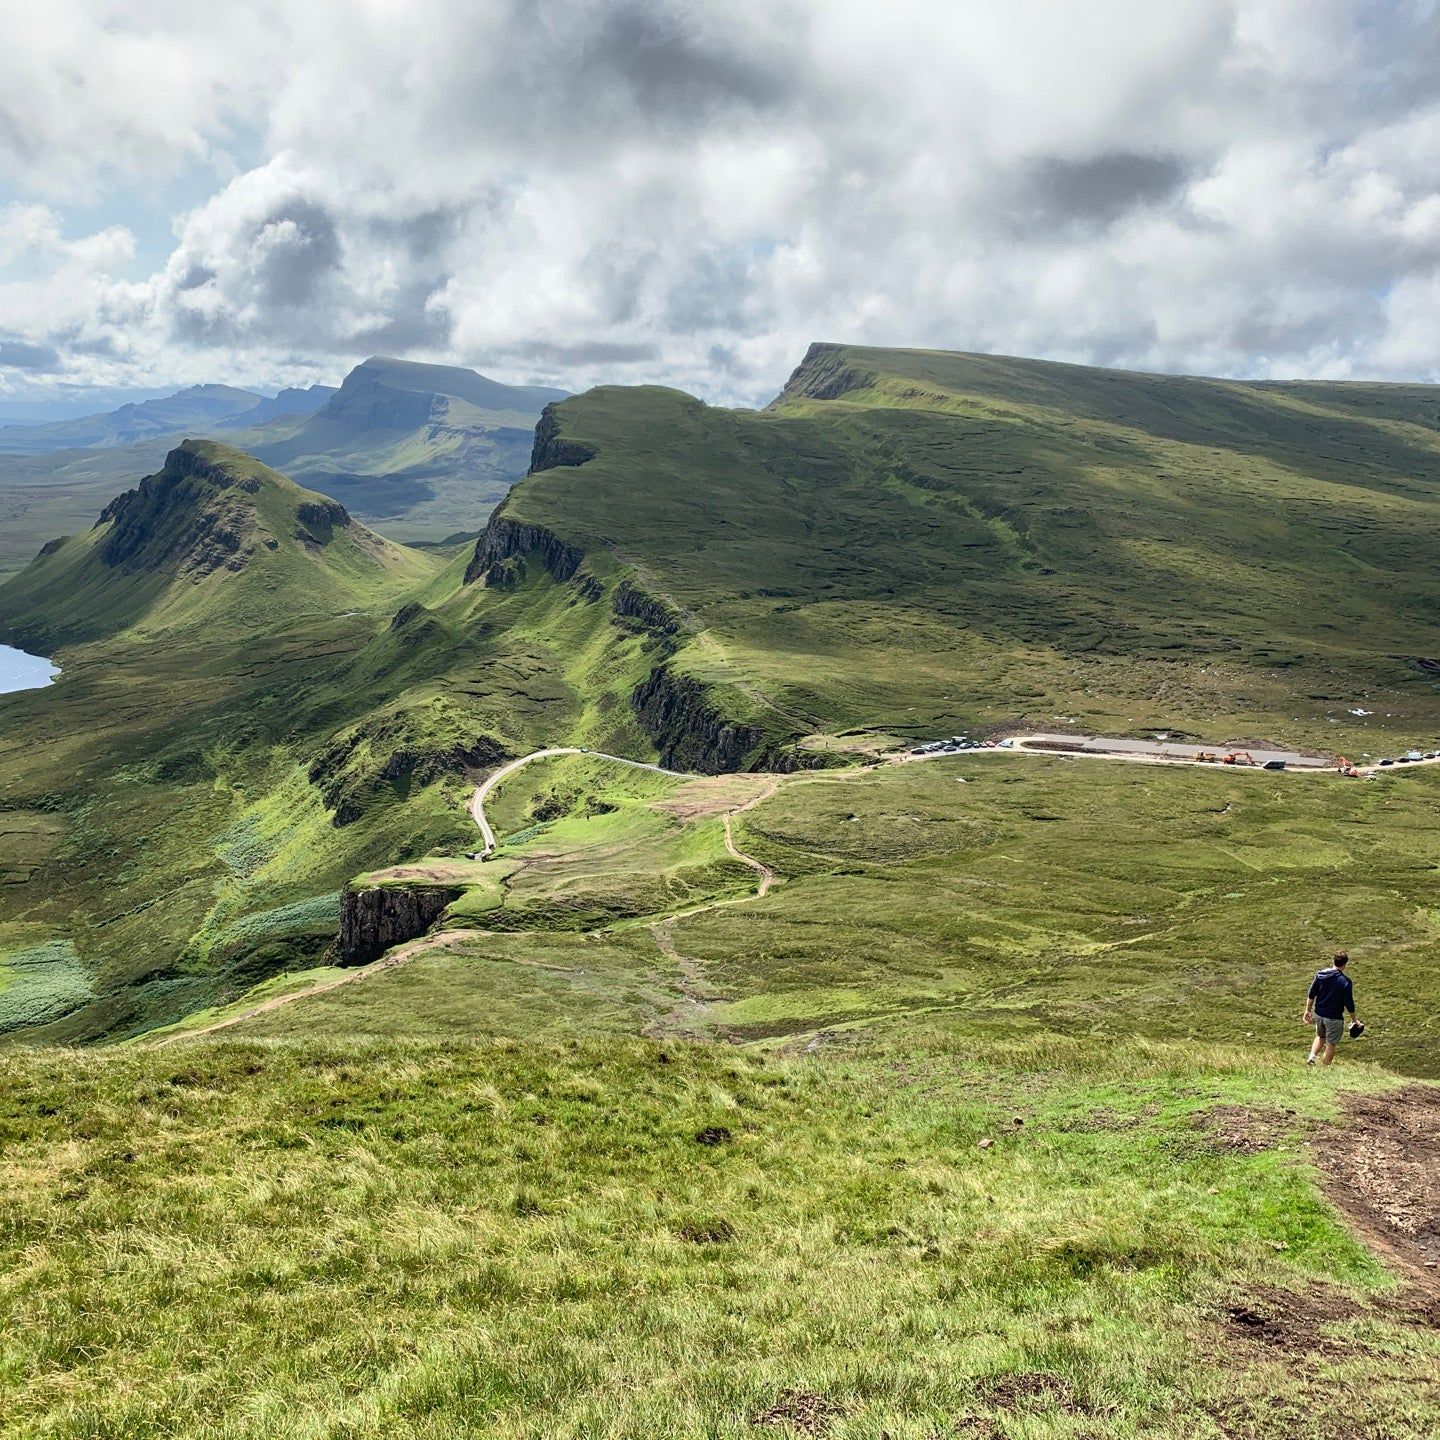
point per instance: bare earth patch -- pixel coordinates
(802, 1411)
(1382, 1170)
(1244, 1130)
(711, 795)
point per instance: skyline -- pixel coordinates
(659, 191)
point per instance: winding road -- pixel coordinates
(477, 800)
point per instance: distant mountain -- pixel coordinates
(290, 401)
(215, 540)
(432, 447)
(200, 408)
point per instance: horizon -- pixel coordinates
(1240, 190)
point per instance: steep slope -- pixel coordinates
(198, 408)
(214, 539)
(909, 541)
(165, 842)
(429, 448)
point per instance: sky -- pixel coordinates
(573, 192)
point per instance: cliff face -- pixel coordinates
(180, 518)
(380, 916)
(690, 733)
(550, 450)
(824, 374)
(650, 613)
(505, 540)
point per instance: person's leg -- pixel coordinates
(1314, 1048)
(1329, 1054)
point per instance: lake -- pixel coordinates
(19, 671)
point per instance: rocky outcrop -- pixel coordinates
(650, 614)
(688, 729)
(824, 374)
(550, 451)
(377, 917)
(319, 519)
(506, 539)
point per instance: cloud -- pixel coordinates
(17, 354)
(574, 191)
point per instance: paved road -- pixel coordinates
(1156, 752)
(477, 800)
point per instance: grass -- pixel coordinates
(626, 1239)
(950, 542)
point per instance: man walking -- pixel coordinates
(1331, 995)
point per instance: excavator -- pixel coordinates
(1346, 768)
(1232, 757)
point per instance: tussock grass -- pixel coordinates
(630, 1239)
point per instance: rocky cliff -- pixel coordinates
(550, 450)
(648, 612)
(377, 917)
(687, 728)
(504, 539)
(824, 374)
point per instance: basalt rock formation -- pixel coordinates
(549, 450)
(505, 539)
(377, 917)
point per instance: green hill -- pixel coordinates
(213, 541)
(849, 1097)
(907, 542)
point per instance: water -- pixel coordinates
(19, 671)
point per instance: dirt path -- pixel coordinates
(695, 995)
(766, 874)
(1382, 1171)
(477, 800)
(389, 961)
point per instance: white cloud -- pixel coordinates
(581, 190)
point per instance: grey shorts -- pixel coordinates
(1329, 1030)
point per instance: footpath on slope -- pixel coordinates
(388, 961)
(477, 800)
(1135, 752)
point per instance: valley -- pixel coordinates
(487, 983)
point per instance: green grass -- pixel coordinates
(522, 1240)
(966, 540)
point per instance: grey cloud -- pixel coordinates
(16, 354)
(581, 354)
(654, 50)
(1102, 188)
(301, 250)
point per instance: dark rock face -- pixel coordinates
(505, 539)
(689, 731)
(405, 614)
(319, 519)
(550, 451)
(823, 375)
(650, 613)
(379, 916)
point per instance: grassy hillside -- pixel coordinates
(846, 1098)
(910, 541)
(162, 836)
(1039, 1240)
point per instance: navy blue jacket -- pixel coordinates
(1332, 993)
